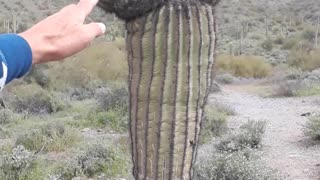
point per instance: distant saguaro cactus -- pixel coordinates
(171, 48)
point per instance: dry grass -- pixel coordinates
(244, 66)
(304, 60)
(103, 61)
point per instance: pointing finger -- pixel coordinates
(86, 6)
(94, 30)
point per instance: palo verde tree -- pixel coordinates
(171, 49)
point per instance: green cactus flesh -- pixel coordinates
(170, 58)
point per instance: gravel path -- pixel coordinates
(285, 147)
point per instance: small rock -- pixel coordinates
(306, 114)
(85, 130)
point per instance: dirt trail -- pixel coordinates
(285, 147)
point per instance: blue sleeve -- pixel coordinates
(15, 57)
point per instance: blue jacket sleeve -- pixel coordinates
(15, 58)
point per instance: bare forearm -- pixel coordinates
(63, 34)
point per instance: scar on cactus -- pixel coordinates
(171, 50)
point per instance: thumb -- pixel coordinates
(94, 30)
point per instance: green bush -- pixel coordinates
(249, 136)
(267, 45)
(16, 164)
(241, 165)
(115, 98)
(225, 78)
(309, 34)
(309, 91)
(33, 99)
(115, 119)
(288, 88)
(6, 116)
(312, 128)
(224, 108)
(290, 43)
(279, 40)
(92, 159)
(49, 137)
(213, 125)
(37, 75)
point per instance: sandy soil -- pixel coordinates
(285, 147)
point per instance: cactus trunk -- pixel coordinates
(170, 58)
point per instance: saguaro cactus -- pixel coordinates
(171, 45)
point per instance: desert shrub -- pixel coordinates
(6, 116)
(48, 137)
(312, 128)
(20, 163)
(116, 29)
(91, 159)
(287, 88)
(244, 66)
(249, 136)
(304, 60)
(290, 43)
(224, 78)
(242, 165)
(79, 85)
(311, 90)
(214, 124)
(252, 133)
(112, 109)
(256, 36)
(215, 87)
(15, 164)
(309, 34)
(115, 98)
(37, 75)
(114, 119)
(224, 108)
(279, 40)
(267, 45)
(35, 100)
(4, 132)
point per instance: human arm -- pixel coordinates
(55, 38)
(63, 34)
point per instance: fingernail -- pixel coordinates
(103, 27)
(94, 2)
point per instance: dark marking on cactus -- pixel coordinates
(137, 32)
(175, 84)
(193, 142)
(131, 132)
(189, 66)
(165, 21)
(153, 28)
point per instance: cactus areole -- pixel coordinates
(171, 48)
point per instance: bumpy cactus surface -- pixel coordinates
(171, 45)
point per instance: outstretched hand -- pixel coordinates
(64, 33)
